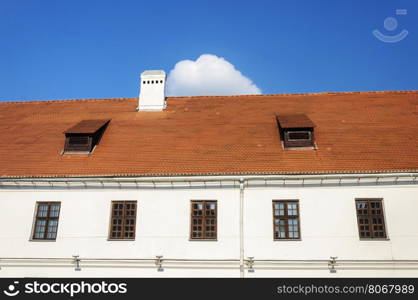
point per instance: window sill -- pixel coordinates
(203, 240)
(42, 240)
(374, 239)
(120, 240)
(314, 146)
(287, 240)
(75, 152)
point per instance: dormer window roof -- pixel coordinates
(296, 131)
(83, 137)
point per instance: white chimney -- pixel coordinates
(152, 94)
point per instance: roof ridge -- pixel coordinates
(67, 100)
(305, 94)
(217, 96)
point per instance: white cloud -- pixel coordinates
(208, 75)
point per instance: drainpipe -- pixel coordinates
(241, 227)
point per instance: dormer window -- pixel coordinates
(296, 132)
(83, 137)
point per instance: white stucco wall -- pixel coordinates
(329, 224)
(328, 228)
(163, 220)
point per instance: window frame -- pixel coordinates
(294, 144)
(80, 148)
(48, 218)
(369, 216)
(286, 217)
(203, 218)
(123, 217)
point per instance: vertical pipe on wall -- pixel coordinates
(241, 227)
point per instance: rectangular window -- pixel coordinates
(286, 219)
(78, 143)
(46, 220)
(298, 138)
(123, 220)
(370, 219)
(203, 224)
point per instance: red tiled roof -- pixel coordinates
(355, 132)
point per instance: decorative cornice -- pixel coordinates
(193, 182)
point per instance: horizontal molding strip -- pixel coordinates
(213, 182)
(250, 264)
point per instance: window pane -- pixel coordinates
(42, 210)
(52, 223)
(78, 140)
(40, 229)
(54, 211)
(51, 235)
(293, 222)
(39, 235)
(279, 212)
(299, 135)
(292, 209)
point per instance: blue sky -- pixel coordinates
(97, 49)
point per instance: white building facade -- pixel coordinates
(329, 244)
(313, 185)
